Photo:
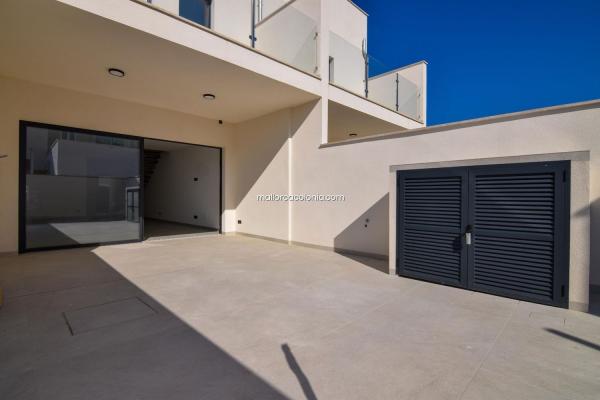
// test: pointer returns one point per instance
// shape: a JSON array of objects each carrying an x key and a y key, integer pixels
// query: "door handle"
[{"x": 469, "y": 235}]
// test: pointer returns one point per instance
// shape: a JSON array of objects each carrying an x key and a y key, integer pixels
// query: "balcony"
[
  {"x": 401, "y": 90},
  {"x": 169, "y": 62},
  {"x": 287, "y": 31},
  {"x": 256, "y": 57}
]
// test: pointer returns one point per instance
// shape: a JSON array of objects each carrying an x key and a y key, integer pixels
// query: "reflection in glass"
[{"x": 77, "y": 188}]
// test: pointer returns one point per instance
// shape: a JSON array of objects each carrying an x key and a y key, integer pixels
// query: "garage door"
[{"x": 501, "y": 229}]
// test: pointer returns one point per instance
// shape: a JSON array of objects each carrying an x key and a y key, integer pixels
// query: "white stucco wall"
[
  {"x": 347, "y": 21},
  {"x": 262, "y": 163},
  {"x": 281, "y": 153},
  {"x": 360, "y": 171}
]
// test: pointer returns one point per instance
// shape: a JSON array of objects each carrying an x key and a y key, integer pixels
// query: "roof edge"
[
  {"x": 399, "y": 69},
  {"x": 357, "y": 7},
  {"x": 536, "y": 112}
]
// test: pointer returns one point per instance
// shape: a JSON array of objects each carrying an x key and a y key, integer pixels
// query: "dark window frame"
[{"x": 24, "y": 124}]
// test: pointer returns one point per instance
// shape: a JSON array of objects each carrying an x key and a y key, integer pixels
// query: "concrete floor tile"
[
  {"x": 559, "y": 360},
  {"x": 106, "y": 314},
  {"x": 351, "y": 366},
  {"x": 18, "y": 386},
  {"x": 493, "y": 386},
  {"x": 238, "y": 317},
  {"x": 175, "y": 364}
]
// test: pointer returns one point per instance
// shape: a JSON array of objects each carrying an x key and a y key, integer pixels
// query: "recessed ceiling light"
[
  {"x": 209, "y": 96},
  {"x": 119, "y": 73}
]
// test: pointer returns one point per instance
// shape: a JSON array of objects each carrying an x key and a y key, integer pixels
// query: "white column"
[{"x": 324, "y": 70}]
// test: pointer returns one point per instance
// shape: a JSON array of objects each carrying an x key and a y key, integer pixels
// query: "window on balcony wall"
[{"x": 198, "y": 11}]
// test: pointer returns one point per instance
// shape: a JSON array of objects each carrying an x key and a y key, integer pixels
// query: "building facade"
[{"x": 282, "y": 92}]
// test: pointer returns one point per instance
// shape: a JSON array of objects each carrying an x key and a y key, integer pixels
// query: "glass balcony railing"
[
  {"x": 350, "y": 68},
  {"x": 346, "y": 64},
  {"x": 287, "y": 30},
  {"x": 397, "y": 92}
]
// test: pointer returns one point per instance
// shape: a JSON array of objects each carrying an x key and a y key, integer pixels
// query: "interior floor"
[
  {"x": 156, "y": 229},
  {"x": 181, "y": 195}
]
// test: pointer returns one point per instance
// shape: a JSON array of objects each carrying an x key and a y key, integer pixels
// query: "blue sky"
[{"x": 491, "y": 57}]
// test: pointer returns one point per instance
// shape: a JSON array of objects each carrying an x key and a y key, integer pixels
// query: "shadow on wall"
[
  {"x": 593, "y": 212},
  {"x": 258, "y": 143},
  {"x": 368, "y": 236},
  {"x": 594, "y": 239},
  {"x": 102, "y": 336}
]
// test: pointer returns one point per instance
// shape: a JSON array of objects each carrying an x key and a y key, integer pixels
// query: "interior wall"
[
  {"x": 21, "y": 100},
  {"x": 173, "y": 194}
]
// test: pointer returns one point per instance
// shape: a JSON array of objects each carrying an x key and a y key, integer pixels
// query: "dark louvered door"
[
  {"x": 520, "y": 231},
  {"x": 431, "y": 220},
  {"x": 501, "y": 229}
]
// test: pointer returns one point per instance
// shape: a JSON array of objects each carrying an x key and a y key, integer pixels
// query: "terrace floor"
[{"x": 232, "y": 317}]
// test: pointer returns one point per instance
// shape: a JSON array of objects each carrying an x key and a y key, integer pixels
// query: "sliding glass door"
[{"x": 78, "y": 187}]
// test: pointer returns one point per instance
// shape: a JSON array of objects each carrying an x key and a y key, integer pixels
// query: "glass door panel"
[{"x": 76, "y": 188}]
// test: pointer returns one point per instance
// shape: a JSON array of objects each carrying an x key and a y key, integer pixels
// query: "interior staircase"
[{"x": 151, "y": 158}]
